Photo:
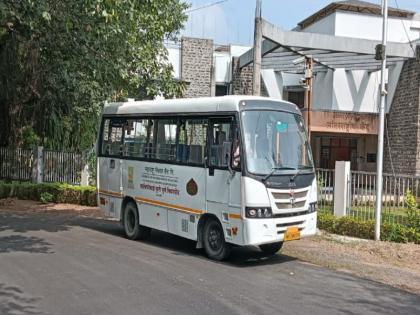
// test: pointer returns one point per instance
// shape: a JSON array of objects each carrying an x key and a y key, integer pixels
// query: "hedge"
[
  {"x": 366, "y": 229},
  {"x": 56, "y": 192}
]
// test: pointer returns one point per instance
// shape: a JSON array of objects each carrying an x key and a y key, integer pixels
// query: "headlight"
[
  {"x": 259, "y": 213},
  {"x": 312, "y": 207}
]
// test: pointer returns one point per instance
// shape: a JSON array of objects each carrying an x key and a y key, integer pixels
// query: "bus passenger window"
[
  {"x": 192, "y": 141},
  {"x": 220, "y": 136},
  {"x": 165, "y": 139},
  {"x": 112, "y": 136},
  {"x": 137, "y": 136}
]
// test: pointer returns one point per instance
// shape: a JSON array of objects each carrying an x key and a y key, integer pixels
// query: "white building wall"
[
  {"x": 370, "y": 27},
  {"x": 222, "y": 64},
  {"x": 323, "y": 26}
]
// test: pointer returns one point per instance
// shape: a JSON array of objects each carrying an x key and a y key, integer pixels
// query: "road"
[{"x": 64, "y": 263}]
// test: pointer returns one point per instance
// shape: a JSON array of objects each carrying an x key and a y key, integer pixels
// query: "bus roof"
[{"x": 229, "y": 103}]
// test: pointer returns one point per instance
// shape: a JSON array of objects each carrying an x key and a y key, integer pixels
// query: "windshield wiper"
[
  {"x": 300, "y": 170},
  {"x": 274, "y": 169}
]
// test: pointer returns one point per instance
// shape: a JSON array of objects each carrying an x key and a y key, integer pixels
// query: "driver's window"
[{"x": 221, "y": 137}]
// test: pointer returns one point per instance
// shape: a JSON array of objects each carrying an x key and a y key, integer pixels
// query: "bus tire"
[
  {"x": 271, "y": 249},
  {"x": 214, "y": 242},
  {"x": 133, "y": 229}
]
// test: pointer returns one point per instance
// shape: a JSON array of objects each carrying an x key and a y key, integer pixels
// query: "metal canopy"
[{"x": 283, "y": 51}]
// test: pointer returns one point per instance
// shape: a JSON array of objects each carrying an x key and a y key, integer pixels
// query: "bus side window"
[
  {"x": 165, "y": 139},
  {"x": 220, "y": 134},
  {"x": 112, "y": 137},
  {"x": 192, "y": 141},
  {"x": 137, "y": 134}
]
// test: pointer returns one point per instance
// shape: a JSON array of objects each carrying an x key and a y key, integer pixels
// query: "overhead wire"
[
  {"x": 405, "y": 29},
  {"x": 205, "y": 6}
]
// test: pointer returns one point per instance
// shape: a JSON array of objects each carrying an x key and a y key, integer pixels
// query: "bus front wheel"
[
  {"x": 271, "y": 249},
  {"x": 132, "y": 227},
  {"x": 214, "y": 241}
]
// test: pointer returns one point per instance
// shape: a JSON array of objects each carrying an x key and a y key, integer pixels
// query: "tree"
[{"x": 59, "y": 60}]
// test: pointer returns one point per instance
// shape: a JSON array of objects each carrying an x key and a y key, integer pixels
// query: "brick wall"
[
  {"x": 241, "y": 79},
  {"x": 403, "y": 123},
  {"x": 196, "y": 66}
]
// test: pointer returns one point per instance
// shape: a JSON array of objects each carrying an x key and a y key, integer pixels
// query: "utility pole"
[
  {"x": 307, "y": 100},
  {"x": 379, "y": 167},
  {"x": 256, "y": 77}
]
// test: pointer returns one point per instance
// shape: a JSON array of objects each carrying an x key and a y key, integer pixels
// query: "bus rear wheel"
[
  {"x": 132, "y": 227},
  {"x": 214, "y": 241},
  {"x": 271, "y": 249}
]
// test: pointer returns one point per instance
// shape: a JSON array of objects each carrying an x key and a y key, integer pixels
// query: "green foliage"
[
  {"x": 59, "y": 60},
  {"x": 413, "y": 213},
  {"x": 366, "y": 229},
  {"x": 46, "y": 197},
  {"x": 49, "y": 192}
]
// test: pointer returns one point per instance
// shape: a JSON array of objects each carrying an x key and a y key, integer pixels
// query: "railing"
[
  {"x": 394, "y": 208},
  {"x": 16, "y": 164},
  {"x": 325, "y": 179},
  {"x": 64, "y": 167},
  {"x": 41, "y": 165}
]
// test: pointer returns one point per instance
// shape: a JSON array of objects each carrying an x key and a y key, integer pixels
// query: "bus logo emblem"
[
  {"x": 292, "y": 196},
  {"x": 192, "y": 187}
]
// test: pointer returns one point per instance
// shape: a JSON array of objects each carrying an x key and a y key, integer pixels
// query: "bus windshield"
[{"x": 275, "y": 140}]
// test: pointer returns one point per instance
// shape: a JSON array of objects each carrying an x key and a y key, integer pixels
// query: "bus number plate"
[{"x": 292, "y": 233}]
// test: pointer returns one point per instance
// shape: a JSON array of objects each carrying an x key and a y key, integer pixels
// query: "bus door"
[
  {"x": 223, "y": 188},
  {"x": 110, "y": 166}
]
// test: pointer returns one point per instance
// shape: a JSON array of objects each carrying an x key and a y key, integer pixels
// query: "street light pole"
[{"x": 380, "y": 155}]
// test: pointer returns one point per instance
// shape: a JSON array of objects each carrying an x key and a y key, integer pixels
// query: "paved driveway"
[{"x": 64, "y": 263}]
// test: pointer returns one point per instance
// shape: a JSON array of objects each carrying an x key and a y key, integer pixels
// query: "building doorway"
[{"x": 338, "y": 149}]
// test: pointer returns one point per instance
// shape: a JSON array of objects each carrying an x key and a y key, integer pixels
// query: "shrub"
[
  {"x": 366, "y": 229},
  {"x": 413, "y": 213},
  {"x": 49, "y": 192},
  {"x": 46, "y": 197}
]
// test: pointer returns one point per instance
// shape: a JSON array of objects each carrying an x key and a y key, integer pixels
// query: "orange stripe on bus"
[
  {"x": 168, "y": 205},
  {"x": 234, "y": 216},
  {"x": 110, "y": 193}
]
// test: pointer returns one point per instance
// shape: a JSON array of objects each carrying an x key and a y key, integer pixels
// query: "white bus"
[{"x": 223, "y": 171}]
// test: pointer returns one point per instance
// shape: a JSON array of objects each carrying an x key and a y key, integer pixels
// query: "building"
[
  {"x": 206, "y": 68},
  {"x": 346, "y": 83}
]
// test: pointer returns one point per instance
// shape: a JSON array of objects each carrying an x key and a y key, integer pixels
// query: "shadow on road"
[
  {"x": 26, "y": 222},
  {"x": 21, "y": 243},
  {"x": 247, "y": 256}
]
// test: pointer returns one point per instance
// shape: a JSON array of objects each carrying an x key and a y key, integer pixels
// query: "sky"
[{"x": 231, "y": 22}]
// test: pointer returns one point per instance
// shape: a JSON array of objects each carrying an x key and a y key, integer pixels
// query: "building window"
[
  {"x": 371, "y": 158},
  {"x": 296, "y": 97},
  {"x": 221, "y": 90}
]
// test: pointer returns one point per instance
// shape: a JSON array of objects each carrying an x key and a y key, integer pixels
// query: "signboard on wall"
[{"x": 344, "y": 122}]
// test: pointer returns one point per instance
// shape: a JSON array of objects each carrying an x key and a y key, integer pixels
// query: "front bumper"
[{"x": 265, "y": 231}]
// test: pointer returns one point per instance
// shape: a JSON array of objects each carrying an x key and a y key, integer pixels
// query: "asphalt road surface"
[{"x": 66, "y": 264}]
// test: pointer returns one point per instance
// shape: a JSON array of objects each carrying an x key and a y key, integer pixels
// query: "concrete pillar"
[
  {"x": 342, "y": 188},
  {"x": 38, "y": 166},
  {"x": 213, "y": 81},
  {"x": 85, "y": 176}
]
